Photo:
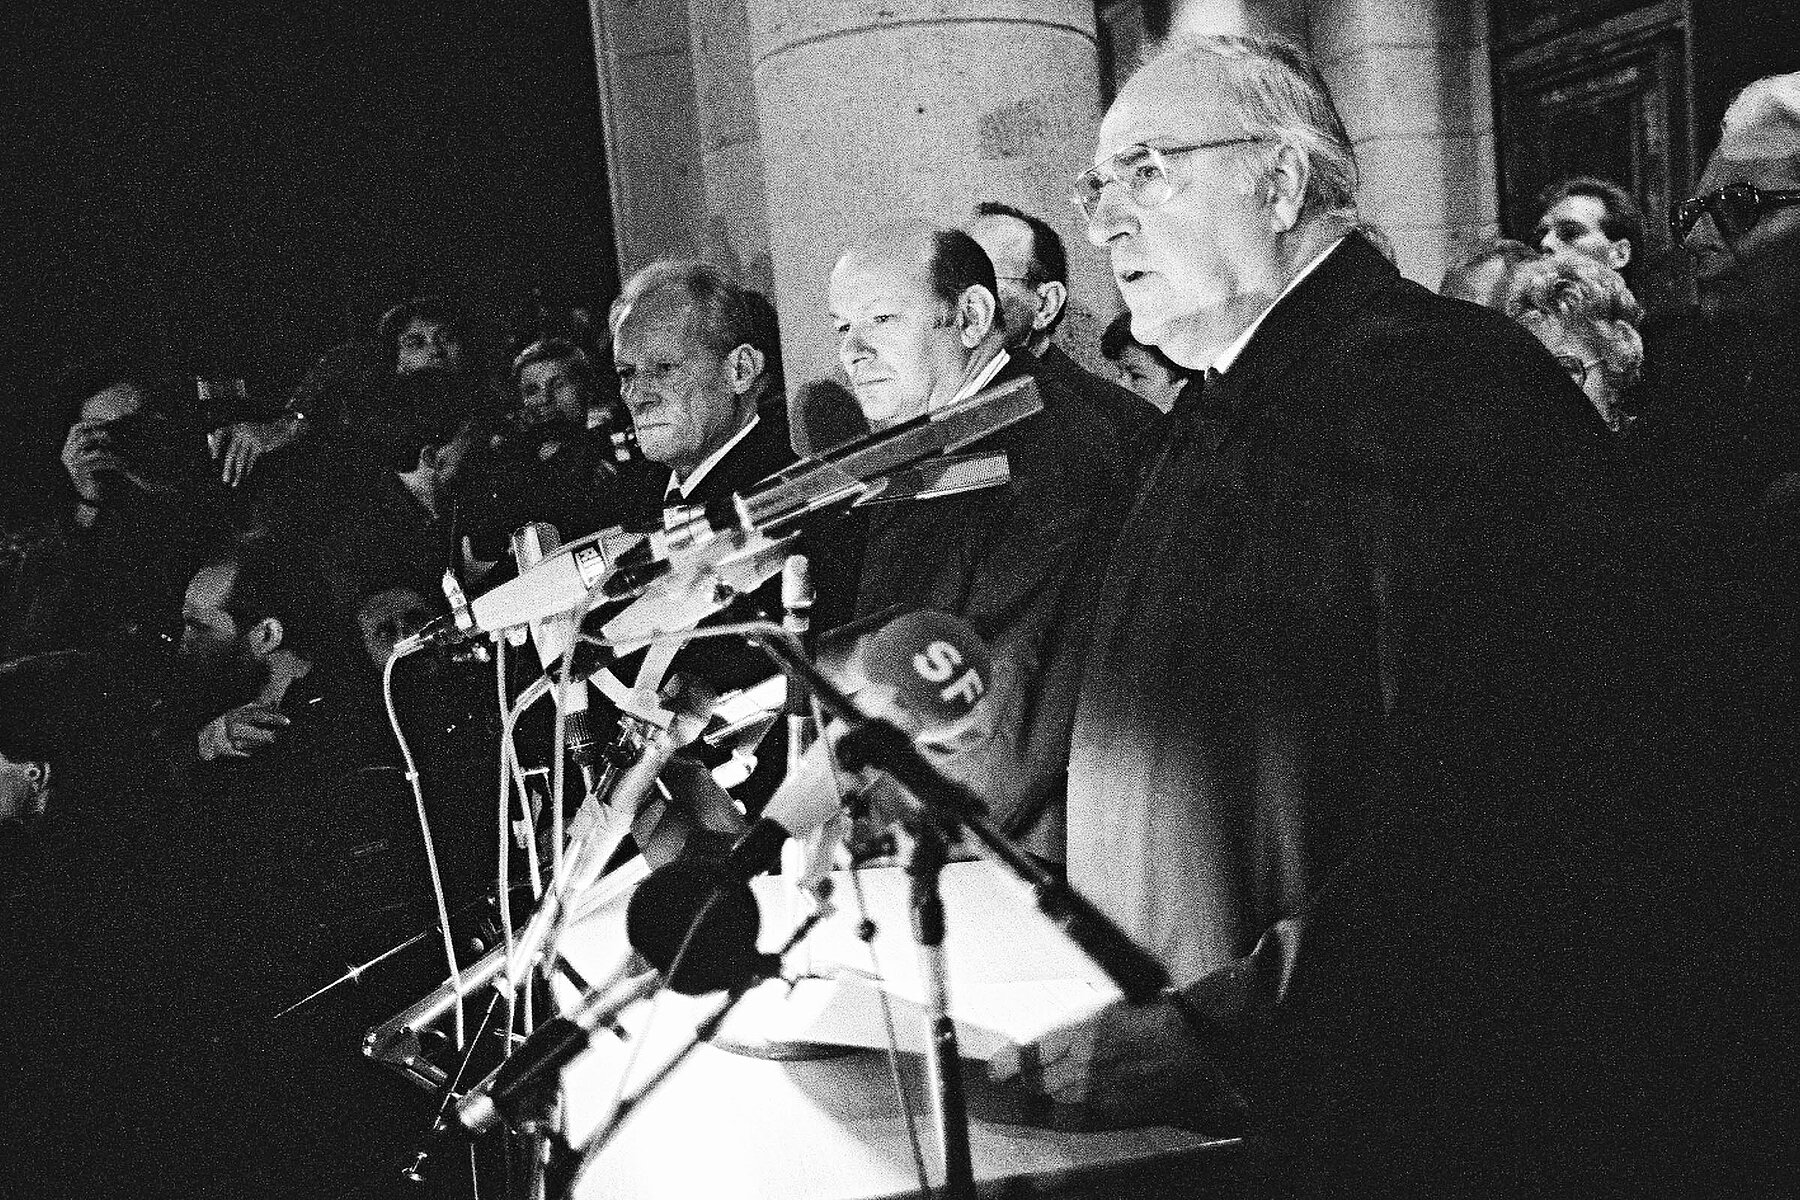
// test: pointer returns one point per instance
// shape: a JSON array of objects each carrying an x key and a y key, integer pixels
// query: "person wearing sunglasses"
[
  {"x": 1742, "y": 226},
  {"x": 1721, "y": 401}
]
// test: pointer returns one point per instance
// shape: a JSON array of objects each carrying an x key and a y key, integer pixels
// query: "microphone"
[
  {"x": 551, "y": 1046},
  {"x": 816, "y": 483},
  {"x": 796, "y": 606},
  {"x": 929, "y": 669},
  {"x": 561, "y": 581},
  {"x": 531, "y": 544},
  {"x": 629, "y": 561}
]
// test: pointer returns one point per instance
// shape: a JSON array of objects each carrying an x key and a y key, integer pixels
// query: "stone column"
[
  {"x": 879, "y": 109},
  {"x": 647, "y": 109},
  {"x": 1264, "y": 18},
  {"x": 1412, "y": 82},
  {"x": 734, "y": 230}
]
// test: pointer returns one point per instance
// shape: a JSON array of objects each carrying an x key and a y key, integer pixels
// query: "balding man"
[
  {"x": 1724, "y": 409},
  {"x": 1339, "y": 752},
  {"x": 919, "y": 329}
]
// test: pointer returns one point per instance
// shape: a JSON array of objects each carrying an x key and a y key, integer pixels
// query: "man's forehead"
[
  {"x": 546, "y": 371},
  {"x": 1756, "y": 153},
  {"x": 1007, "y": 240},
  {"x": 210, "y": 587},
  {"x": 112, "y": 403},
  {"x": 658, "y": 319},
  {"x": 1588, "y": 209},
  {"x": 867, "y": 274},
  {"x": 1168, "y": 101}
]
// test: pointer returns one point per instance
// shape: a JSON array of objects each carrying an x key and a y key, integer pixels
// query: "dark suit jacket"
[
  {"x": 1359, "y": 657},
  {"x": 1016, "y": 561},
  {"x": 726, "y": 664},
  {"x": 1130, "y": 415}
]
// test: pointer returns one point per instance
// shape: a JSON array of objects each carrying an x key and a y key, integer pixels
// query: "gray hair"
[
  {"x": 1278, "y": 96},
  {"x": 1580, "y": 294},
  {"x": 726, "y": 314}
]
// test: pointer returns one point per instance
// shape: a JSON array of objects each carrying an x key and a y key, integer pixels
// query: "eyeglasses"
[
  {"x": 1578, "y": 370},
  {"x": 1142, "y": 170},
  {"x": 1735, "y": 210}
]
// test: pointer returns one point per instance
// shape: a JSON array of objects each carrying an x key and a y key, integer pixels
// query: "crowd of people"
[{"x": 1412, "y": 673}]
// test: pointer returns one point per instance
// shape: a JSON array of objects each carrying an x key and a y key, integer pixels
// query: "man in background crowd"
[
  {"x": 107, "y": 573},
  {"x": 1595, "y": 219},
  {"x": 421, "y": 346}
]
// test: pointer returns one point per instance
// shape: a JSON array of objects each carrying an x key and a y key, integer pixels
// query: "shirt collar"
[
  {"x": 686, "y": 486},
  {"x": 982, "y": 378},
  {"x": 1230, "y": 354}
]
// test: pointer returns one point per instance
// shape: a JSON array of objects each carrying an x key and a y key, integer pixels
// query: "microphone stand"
[
  {"x": 949, "y": 808},
  {"x": 943, "y": 1060}
]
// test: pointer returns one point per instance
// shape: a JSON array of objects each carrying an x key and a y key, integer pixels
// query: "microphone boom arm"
[{"x": 876, "y": 743}]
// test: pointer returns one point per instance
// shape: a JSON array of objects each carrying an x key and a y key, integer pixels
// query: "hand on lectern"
[{"x": 1124, "y": 1066}]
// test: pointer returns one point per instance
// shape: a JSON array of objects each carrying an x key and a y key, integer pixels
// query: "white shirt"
[
  {"x": 1230, "y": 354},
  {"x": 686, "y": 486},
  {"x": 982, "y": 377}
]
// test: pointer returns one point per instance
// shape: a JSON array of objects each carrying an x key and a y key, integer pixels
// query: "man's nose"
[
  {"x": 852, "y": 348},
  {"x": 1111, "y": 216},
  {"x": 1703, "y": 237}
]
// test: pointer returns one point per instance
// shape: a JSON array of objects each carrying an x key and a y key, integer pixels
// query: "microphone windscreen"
[
  {"x": 936, "y": 665},
  {"x": 721, "y": 952},
  {"x": 823, "y": 414}
]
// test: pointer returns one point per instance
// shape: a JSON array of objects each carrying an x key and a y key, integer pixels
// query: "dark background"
[{"x": 241, "y": 184}]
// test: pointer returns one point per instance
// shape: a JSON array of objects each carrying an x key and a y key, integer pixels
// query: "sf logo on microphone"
[{"x": 942, "y": 663}]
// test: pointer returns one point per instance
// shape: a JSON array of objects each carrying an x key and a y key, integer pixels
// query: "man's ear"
[
  {"x": 743, "y": 366},
  {"x": 975, "y": 315},
  {"x": 429, "y": 457},
  {"x": 1618, "y": 254},
  {"x": 1284, "y": 190},
  {"x": 264, "y": 637},
  {"x": 1051, "y": 297}
]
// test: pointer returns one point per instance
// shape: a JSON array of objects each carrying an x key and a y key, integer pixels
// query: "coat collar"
[{"x": 1289, "y": 336}]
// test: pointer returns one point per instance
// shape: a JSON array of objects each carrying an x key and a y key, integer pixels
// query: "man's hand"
[
  {"x": 239, "y": 446},
  {"x": 85, "y": 454},
  {"x": 1126, "y": 1065},
  {"x": 243, "y": 731}
]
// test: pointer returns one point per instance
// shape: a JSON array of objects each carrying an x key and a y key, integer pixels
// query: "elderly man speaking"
[{"x": 1337, "y": 751}]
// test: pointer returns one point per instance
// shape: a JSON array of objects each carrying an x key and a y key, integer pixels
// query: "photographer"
[
  {"x": 353, "y": 382},
  {"x": 555, "y": 457},
  {"x": 107, "y": 573}
]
